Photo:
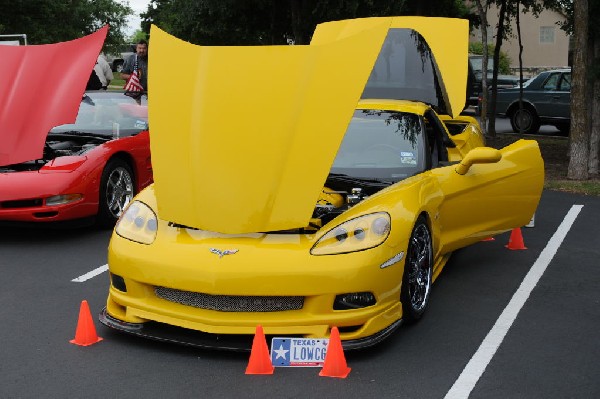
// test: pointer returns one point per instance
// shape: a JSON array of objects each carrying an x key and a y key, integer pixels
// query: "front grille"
[
  {"x": 21, "y": 203},
  {"x": 231, "y": 303}
]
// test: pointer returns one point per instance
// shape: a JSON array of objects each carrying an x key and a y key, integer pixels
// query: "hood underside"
[
  {"x": 260, "y": 126},
  {"x": 44, "y": 89}
]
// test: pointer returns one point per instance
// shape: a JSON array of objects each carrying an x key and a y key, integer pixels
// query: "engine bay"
[
  {"x": 340, "y": 194},
  {"x": 58, "y": 146}
]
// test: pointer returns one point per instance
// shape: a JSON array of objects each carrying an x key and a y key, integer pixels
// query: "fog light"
[
  {"x": 62, "y": 199},
  {"x": 355, "y": 300},
  {"x": 118, "y": 282}
]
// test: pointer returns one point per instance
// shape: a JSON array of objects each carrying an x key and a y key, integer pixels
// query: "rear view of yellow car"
[{"x": 305, "y": 187}]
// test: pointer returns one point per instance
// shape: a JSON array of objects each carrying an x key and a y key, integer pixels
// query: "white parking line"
[
  {"x": 89, "y": 275},
  {"x": 474, "y": 369}
]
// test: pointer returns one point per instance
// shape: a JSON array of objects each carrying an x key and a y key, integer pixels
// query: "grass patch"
[
  {"x": 117, "y": 83},
  {"x": 586, "y": 187}
]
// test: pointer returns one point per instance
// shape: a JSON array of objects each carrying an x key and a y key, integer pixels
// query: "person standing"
[
  {"x": 138, "y": 61},
  {"x": 103, "y": 71}
]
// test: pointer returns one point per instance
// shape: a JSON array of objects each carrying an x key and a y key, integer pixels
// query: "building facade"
[{"x": 545, "y": 44}]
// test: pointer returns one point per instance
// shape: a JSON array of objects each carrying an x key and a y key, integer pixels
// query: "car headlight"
[
  {"x": 138, "y": 223},
  {"x": 358, "y": 234}
]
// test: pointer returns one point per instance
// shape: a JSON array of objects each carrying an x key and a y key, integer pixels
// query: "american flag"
[{"x": 133, "y": 84}]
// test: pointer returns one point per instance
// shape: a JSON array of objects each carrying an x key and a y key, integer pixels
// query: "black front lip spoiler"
[{"x": 240, "y": 343}]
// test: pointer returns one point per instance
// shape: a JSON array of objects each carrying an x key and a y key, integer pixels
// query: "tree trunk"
[
  {"x": 499, "y": 35},
  {"x": 520, "y": 66},
  {"x": 579, "y": 151},
  {"x": 595, "y": 132},
  {"x": 482, "y": 11},
  {"x": 296, "y": 7}
]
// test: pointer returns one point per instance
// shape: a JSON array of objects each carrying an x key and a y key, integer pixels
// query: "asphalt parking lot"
[{"x": 501, "y": 324}]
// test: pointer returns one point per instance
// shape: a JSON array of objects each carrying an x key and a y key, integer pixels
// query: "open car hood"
[
  {"x": 42, "y": 88},
  {"x": 421, "y": 59},
  {"x": 244, "y": 137}
]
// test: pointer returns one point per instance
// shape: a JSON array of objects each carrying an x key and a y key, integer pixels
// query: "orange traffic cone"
[
  {"x": 260, "y": 361},
  {"x": 515, "y": 241},
  {"x": 488, "y": 239},
  {"x": 335, "y": 361},
  {"x": 85, "y": 335}
]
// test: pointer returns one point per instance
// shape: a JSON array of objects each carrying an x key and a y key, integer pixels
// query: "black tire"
[
  {"x": 564, "y": 128},
  {"x": 527, "y": 117},
  {"x": 418, "y": 271},
  {"x": 117, "y": 189}
]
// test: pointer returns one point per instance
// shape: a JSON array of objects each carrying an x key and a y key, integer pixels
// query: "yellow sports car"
[{"x": 305, "y": 187}]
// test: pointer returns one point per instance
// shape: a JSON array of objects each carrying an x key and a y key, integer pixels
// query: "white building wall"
[{"x": 540, "y": 50}]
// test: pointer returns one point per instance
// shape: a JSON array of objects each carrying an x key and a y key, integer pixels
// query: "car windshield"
[
  {"x": 111, "y": 114},
  {"x": 381, "y": 145}
]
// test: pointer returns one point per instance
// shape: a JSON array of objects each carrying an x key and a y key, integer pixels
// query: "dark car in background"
[
  {"x": 117, "y": 59},
  {"x": 546, "y": 101},
  {"x": 476, "y": 76}
]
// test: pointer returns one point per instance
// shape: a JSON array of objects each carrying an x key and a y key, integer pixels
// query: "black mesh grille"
[
  {"x": 21, "y": 203},
  {"x": 231, "y": 303}
]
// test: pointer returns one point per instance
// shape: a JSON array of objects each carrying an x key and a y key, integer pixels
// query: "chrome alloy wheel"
[
  {"x": 418, "y": 265},
  {"x": 119, "y": 190}
]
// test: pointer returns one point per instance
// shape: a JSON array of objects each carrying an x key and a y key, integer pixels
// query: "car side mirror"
[{"x": 478, "y": 155}]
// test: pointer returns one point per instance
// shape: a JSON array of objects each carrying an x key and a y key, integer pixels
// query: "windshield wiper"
[
  {"x": 49, "y": 152},
  {"x": 363, "y": 180}
]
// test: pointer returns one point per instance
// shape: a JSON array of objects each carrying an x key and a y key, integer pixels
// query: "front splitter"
[{"x": 231, "y": 342}]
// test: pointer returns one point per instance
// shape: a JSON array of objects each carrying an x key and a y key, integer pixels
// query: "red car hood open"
[{"x": 42, "y": 88}]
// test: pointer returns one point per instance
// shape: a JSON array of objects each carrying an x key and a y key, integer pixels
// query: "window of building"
[{"x": 546, "y": 34}]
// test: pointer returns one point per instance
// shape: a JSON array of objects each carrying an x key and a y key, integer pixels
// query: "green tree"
[
  {"x": 504, "y": 64},
  {"x": 445, "y": 8},
  {"x": 137, "y": 36},
  {"x": 52, "y": 21},
  {"x": 231, "y": 22}
]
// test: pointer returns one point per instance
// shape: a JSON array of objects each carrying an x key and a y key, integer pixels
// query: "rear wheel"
[
  {"x": 527, "y": 119},
  {"x": 418, "y": 269},
  {"x": 116, "y": 191}
]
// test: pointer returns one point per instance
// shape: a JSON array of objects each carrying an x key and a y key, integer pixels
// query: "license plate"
[{"x": 298, "y": 352}]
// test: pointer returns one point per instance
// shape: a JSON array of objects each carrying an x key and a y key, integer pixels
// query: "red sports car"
[{"x": 89, "y": 170}]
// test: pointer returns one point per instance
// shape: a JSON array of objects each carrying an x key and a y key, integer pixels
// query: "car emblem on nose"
[{"x": 223, "y": 253}]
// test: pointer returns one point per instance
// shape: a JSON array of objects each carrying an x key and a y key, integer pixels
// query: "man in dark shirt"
[{"x": 141, "y": 57}]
